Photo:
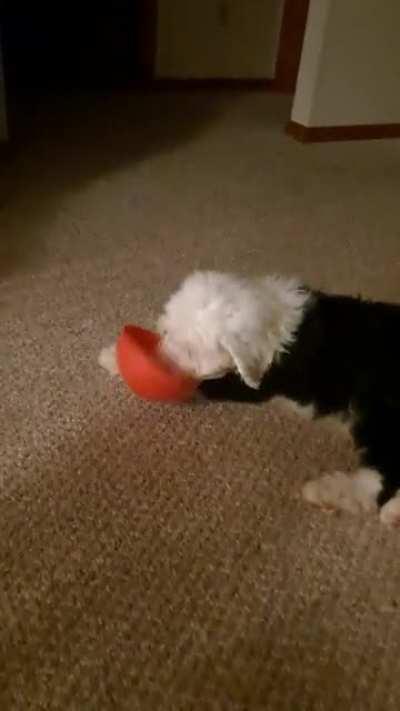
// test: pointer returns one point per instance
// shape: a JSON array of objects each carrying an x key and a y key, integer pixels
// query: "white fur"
[
  {"x": 338, "y": 491},
  {"x": 306, "y": 412},
  {"x": 336, "y": 423},
  {"x": 390, "y": 512},
  {"x": 108, "y": 359},
  {"x": 339, "y": 423},
  {"x": 219, "y": 322}
]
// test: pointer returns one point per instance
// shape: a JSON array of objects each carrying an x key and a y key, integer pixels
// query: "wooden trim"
[
  {"x": 146, "y": 20},
  {"x": 176, "y": 84},
  {"x": 297, "y": 131},
  {"x": 361, "y": 132},
  {"x": 294, "y": 21}
]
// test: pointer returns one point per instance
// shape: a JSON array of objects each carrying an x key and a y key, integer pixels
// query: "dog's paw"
[
  {"x": 354, "y": 493},
  {"x": 390, "y": 512},
  {"x": 330, "y": 492},
  {"x": 108, "y": 359}
]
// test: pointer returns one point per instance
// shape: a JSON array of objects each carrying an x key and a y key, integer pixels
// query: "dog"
[{"x": 253, "y": 339}]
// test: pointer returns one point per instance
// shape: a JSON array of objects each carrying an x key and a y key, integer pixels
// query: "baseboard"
[
  {"x": 318, "y": 134},
  {"x": 176, "y": 84}
]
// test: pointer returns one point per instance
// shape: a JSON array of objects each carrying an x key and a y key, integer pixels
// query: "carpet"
[{"x": 160, "y": 557}]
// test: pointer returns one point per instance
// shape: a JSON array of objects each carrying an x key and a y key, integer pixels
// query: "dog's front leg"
[
  {"x": 355, "y": 493},
  {"x": 376, "y": 484}
]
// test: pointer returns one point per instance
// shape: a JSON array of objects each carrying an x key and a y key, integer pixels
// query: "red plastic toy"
[{"x": 146, "y": 372}]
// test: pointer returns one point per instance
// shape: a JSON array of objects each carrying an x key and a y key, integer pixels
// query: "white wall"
[
  {"x": 3, "y": 117},
  {"x": 218, "y": 38},
  {"x": 350, "y": 67}
]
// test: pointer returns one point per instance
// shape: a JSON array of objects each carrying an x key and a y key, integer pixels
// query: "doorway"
[
  {"x": 76, "y": 45},
  {"x": 230, "y": 43}
]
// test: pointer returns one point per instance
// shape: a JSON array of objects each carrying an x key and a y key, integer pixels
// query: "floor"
[{"x": 159, "y": 557}]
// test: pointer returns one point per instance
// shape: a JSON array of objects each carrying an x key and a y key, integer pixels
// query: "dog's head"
[{"x": 216, "y": 323}]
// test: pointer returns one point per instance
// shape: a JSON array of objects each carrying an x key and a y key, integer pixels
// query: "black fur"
[{"x": 345, "y": 360}]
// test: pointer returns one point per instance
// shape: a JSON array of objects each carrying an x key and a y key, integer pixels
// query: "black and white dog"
[{"x": 250, "y": 340}]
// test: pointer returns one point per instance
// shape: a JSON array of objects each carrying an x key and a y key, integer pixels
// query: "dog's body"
[
  {"x": 345, "y": 362},
  {"x": 251, "y": 340}
]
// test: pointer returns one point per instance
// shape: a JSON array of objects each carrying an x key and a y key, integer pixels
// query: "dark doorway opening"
[{"x": 67, "y": 44}]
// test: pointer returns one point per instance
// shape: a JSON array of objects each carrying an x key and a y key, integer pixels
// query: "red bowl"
[{"x": 146, "y": 372}]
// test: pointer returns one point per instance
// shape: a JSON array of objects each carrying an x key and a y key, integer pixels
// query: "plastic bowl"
[{"x": 146, "y": 372}]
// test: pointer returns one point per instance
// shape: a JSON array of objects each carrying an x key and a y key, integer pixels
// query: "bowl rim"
[{"x": 152, "y": 355}]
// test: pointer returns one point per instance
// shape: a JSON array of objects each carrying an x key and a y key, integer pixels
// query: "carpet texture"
[{"x": 159, "y": 557}]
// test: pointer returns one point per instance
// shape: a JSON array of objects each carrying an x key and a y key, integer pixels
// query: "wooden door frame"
[
  {"x": 294, "y": 21},
  {"x": 147, "y": 17}
]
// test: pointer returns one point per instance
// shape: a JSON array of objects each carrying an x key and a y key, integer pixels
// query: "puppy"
[{"x": 249, "y": 340}]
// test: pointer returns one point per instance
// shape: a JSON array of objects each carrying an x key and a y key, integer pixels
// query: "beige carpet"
[{"x": 157, "y": 557}]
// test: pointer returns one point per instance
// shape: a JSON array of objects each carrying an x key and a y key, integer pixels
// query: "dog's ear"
[{"x": 247, "y": 361}]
